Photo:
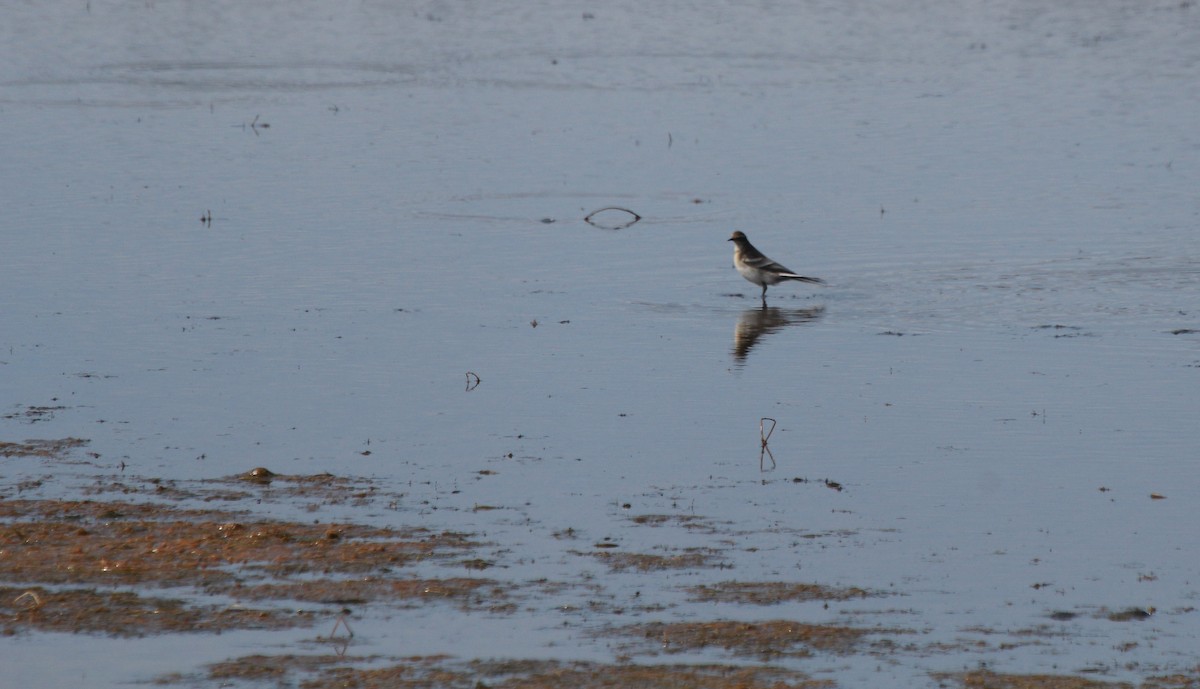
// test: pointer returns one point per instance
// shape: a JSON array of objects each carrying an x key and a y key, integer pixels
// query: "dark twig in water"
[
  {"x": 589, "y": 218},
  {"x": 473, "y": 380},
  {"x": 764, "y": 435},
  {"x": 254, "y": 125}
]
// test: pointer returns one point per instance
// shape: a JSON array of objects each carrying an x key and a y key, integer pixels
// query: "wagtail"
[{"x": 759, "y": 269}]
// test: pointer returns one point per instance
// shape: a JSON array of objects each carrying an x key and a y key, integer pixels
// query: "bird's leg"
[{"x": 764, "y": 295}]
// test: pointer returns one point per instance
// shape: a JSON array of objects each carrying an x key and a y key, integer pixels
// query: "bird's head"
[{"x": 737, "y": 236}]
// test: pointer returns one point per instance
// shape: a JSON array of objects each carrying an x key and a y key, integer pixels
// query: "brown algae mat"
[
  {"x": 771, "y": 592},
  {"x": 441, "y": 672},
  {"x": 692, "y": 558},
  {"x": 67, "y": 557},
  {"x": 123, "y": 613},
  {"x": 984, "y": 679},
  {"x": 117, "y": 543},
  {"x": 766, "y": 639},
  {"x": 54, "y": 448}
]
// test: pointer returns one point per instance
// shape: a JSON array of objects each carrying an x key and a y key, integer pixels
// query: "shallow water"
[{"x": 1001, "y": 198}]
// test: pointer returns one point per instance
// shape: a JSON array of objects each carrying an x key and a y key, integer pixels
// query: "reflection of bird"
[
  {"x": 754, "y": 323},
  {"x": 759, "y": 269}
]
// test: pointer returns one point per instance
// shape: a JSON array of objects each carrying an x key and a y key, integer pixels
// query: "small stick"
[{"x": 767, "y": 435}]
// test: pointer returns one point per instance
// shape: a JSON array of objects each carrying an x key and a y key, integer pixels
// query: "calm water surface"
[{"x": 1002, "y": 199}]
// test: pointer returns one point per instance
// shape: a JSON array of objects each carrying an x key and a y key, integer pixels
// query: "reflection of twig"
[
  {"x": 588, "y": 218},
  {"x": 765, "y": 435},
  {"x": 765, "y": 452},
  {"x": 341, "y": 622},
  {"x": 341, "y": 643},
  {"x": 472, "y": 384}
]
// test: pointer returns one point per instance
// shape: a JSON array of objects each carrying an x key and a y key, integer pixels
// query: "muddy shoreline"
[{"x": 136, "y": 557}]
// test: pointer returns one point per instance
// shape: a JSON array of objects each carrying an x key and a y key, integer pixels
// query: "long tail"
[{"x": 801, "y": 278}]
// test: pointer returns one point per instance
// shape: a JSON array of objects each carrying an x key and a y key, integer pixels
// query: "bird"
[{"x": 759, "y": 269}]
